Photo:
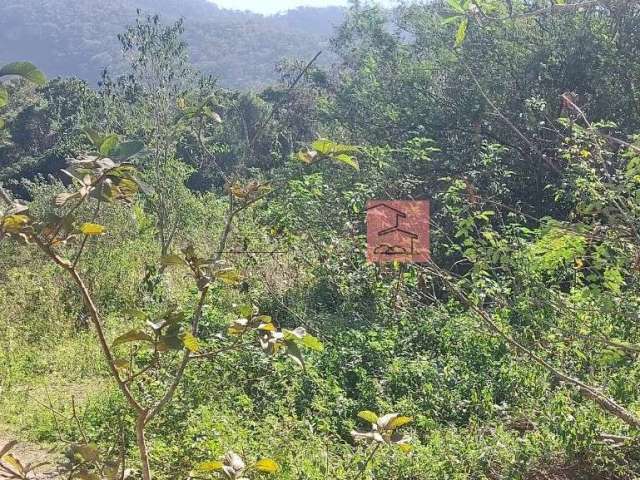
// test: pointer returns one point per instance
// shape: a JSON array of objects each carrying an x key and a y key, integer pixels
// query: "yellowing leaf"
[
  {"x": 368, "y": 416},
  {"x": 92, "y": 229},
  {"x": 267, "y": 465},
  {"x": 461, "y": 33},
  {"x": 229, "y": 276},
  {"x": 399, "y": 422},
  {"x": 190, "y": 342},
  {"x": 4, "y": 96},
  {"x": 14, "y": 223},
  {"x": 13, "y": 462},
  {"x": 405, "y": 447}
]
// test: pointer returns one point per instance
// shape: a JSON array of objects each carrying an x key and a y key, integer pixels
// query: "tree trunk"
[{"x": 142, "y": 447}]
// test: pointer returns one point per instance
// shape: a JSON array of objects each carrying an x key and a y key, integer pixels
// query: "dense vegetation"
[
  {"x": 185, "y": 275},
  {"x": 241, "y": 49}
]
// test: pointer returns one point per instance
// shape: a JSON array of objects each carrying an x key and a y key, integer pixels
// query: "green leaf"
[
  {"x": 456, "y": 5},
  {"x": 368, "y": 416},
  {"x": 452, "y": 19},
  {"x": 461, "y": 33},
  {"x": 323, "y": 146},
  {"x": 132, "y": 336},
  {"x": 190, "y": 342},
  {"x": 94, "y": 136},
  {"x": 2, "y": 124},
  {"x": 312, "y": 342},
  {"x": 108, "y": 145},
  {"x": 347, "y": 160},
  {"x": 92, "y": 229},
  {"x": 124, "y": 150},
  {"x": 26, "y": 70},
  {"x": 266, "y": 465},
  {"x": 4, "y": 96},
  {"x": 211, "y": 466},
  {"x": 246, "y": 311},
  {"x": 293, "y": 351},
  {"x": 613, "y": 279}
]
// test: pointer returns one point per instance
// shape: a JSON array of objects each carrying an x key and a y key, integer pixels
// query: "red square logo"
[{"x": 398, "y": 230}]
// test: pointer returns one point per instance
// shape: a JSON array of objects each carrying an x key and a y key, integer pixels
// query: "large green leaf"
[
  {"x": 124, "y": 150},
  {"x": 95, "y": 137},
  {"x": 456, "y": 5},
  {"x": 108, "y": 145},
  {"x": 25, "y": 70},
  {"x": 312, "y": 342},
  {"x": 368, "y": 416},
  {"x": 347, "y": 160}
]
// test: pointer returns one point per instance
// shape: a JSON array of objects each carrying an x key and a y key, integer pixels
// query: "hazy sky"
[{"x": 274, "y": 6}]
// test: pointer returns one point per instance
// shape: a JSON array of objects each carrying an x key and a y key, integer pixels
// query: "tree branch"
[{"x": 587, "y": 391}]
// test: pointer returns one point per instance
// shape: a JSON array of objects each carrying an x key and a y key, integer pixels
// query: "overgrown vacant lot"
[{"x": 184, "y": 289}]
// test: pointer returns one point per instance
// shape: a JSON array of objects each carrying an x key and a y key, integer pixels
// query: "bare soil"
[{"x": 28, "y": 453}]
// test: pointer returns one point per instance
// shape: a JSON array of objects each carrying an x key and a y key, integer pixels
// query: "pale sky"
[{"x": 275, "y": 6}]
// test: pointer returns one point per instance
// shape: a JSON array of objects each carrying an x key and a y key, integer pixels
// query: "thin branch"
[
  {"x": 4, "y": 196},
  {"x": 183, "y": 364},
  {"x": 509, "y": 123},
  {"x": 552, "y": 9},
  {"x": 95, "y": 320},
  {"x": 259, "y": 131},
  {"x": 586, "y": 390}
]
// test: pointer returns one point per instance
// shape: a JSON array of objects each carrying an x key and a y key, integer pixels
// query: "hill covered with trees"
[
  {"x": 78, "y": 38},
  {"x": 184, "y": 284}
]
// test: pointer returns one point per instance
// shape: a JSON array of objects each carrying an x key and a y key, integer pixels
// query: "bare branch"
[{"x": 587, "y": 391}]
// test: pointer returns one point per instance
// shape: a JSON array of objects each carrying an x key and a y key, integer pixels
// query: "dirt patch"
[{"x": 28, "y": 453}]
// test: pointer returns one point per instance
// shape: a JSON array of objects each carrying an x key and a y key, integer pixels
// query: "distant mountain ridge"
[{"x": 78, "y": 37}]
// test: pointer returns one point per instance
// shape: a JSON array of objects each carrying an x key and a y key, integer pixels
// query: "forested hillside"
[
  {"x": 241, "y": 49},
  {"x": 184, "y": 283}
]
